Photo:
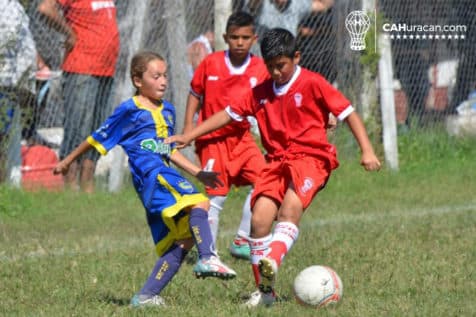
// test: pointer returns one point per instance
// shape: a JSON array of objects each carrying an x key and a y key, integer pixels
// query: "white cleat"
[{"x": 258, "y": 298}]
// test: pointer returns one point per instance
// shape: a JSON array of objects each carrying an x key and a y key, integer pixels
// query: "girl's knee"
[
  {"x": 203, "y": 205},
  {"x": 185, "y": 244}
]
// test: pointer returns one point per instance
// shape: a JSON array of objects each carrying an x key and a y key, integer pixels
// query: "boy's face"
[
  {"x": 281, "y": 68},
  {"x": 239, "y": 40}
]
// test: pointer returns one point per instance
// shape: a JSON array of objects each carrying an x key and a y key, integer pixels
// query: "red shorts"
[
  {"x": 307, "y": 174},
  {"x": 238, "y": 159}
]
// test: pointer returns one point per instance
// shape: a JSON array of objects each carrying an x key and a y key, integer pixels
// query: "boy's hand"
[
  {"x": 209, "y": 179},
  {"x": 180, "y": 141},
  {"x": 61, "y": 168},
  {"x": 370, "y": 161},
  {"x": 332, "y": 123}
]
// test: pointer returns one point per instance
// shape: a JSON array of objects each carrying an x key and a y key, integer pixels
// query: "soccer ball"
[{"x": 318, "y": 286}]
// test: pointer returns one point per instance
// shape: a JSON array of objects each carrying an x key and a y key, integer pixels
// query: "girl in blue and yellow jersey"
[{"x": 176, "y": 211}]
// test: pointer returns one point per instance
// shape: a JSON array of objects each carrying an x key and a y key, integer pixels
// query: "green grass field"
[{"x": 402, "y": 242}]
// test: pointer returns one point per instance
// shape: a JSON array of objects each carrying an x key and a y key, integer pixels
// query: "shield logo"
[{"x": 298, "y": 99}]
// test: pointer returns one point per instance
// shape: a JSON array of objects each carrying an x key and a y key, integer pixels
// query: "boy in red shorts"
[
  {"x": 231, "y": 151},
  {"x": 292, "y": 109}
]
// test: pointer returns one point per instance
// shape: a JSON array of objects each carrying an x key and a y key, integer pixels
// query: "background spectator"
[
  {"x": 198, "y": 48},
  {"x": 283, "y": 13},
  {"x": 317, "y": 36},
  {"x": 17, "y": 82},
  {"x": 92, "y": 48}
]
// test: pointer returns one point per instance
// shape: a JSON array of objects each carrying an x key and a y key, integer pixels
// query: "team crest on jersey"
[
  {"x": 307, "y": 185},
  {"x": 171, "y": 119},
  {"x": 185, "y": 185},
  {"x": 298, "y": 99},
  {"x": 253, "y": 81}
]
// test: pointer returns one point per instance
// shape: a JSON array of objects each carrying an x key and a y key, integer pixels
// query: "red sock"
[
  {"x": 284, "y": 236},
  {"x": 277, "y": 252}
]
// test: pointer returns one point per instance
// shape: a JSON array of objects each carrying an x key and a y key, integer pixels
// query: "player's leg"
[
  {"x": 171, "y": 255},
  {"x": 306, "y": 177},
  {"x": 164, "y": 270},
  {"x": 286, "y": 230},
  {"x": 264, "y": 212},
  {"x": 240, "y": 247},
  {"x": 213, "y": 157},
  {"x": 216, "y": 206},
  {"x": 244, "y": 169},
  {"x": 208, "y": 263}
]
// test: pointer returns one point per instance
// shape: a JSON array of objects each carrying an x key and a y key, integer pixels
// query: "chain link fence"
[{"x": 432, "y": 50}]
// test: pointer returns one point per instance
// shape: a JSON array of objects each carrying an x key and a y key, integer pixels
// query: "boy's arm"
[
  {"x": 63, "y": 166},
  {"x": 368, "y": 158},
  {"x": 213, "y": 123},
  {"x": 207, "y": 178},
  {"x": 193, "y": 105}
]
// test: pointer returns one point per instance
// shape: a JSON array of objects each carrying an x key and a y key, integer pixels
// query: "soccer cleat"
[
  {"x": 147, "y": 301},
  {"x": 213, "y": 267},
  {"x": 258, "y": 298},
  {"x": 268, "y": 269},
  {"x": 241, "y": 251}
]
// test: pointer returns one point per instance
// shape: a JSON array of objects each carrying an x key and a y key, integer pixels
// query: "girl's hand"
[
  {"x": 209, "y": 179},
  {"x": 61, "y": 168}
]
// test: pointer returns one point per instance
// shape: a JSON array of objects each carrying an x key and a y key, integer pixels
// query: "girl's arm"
[
  {"x": 63, "y": 166},
  {"x": 208, "y": 178}
]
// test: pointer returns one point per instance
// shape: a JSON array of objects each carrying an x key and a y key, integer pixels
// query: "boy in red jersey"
[
  {"x": 230, "y": 151},
  {"x": 292, "y": 109}
]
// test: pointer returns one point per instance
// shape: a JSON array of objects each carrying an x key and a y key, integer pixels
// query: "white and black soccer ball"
[{"x": 318, "y": 286}]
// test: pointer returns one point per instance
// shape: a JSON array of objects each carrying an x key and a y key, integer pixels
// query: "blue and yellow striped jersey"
[{"x": 140, "y": 132}]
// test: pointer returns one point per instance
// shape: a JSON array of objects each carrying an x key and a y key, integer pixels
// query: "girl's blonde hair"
[{"x": 139, "y": 64}]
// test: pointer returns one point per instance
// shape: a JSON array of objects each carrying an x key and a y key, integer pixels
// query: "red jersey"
[
  {"x": 292, "y": 119},
  {"x": 219, "y": 83},
  {"x": 97, "y": 46}
]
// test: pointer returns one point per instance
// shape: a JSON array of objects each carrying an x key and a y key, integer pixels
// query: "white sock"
[
  {"x": 245, "y": 224},
  {"x": 258, "y": 247},
  {"x": 216, "y": 205},
  {"x": 285, "y": 235}
]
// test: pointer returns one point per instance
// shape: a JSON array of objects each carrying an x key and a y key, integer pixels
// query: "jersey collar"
[
  {"x": 236, "y": 70},
  {"x": 279, "y": 91}
]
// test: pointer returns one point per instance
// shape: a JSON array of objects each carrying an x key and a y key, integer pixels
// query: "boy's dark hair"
[
  {"x": 240, "y": 19},
  {"x": 278, "y": 42}
]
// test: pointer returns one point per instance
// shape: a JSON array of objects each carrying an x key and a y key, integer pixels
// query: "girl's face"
[
  {"x": 281, "y": 68},
  {"x": 153, "y": 82}
]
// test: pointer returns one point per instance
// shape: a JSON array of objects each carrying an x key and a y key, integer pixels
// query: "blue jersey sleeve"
[{"x": 111, "y": 131}]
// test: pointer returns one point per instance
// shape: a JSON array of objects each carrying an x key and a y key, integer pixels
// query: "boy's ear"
[
  {"x": 225, "y": 38},
  {"x": 297, "y": 57}
]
